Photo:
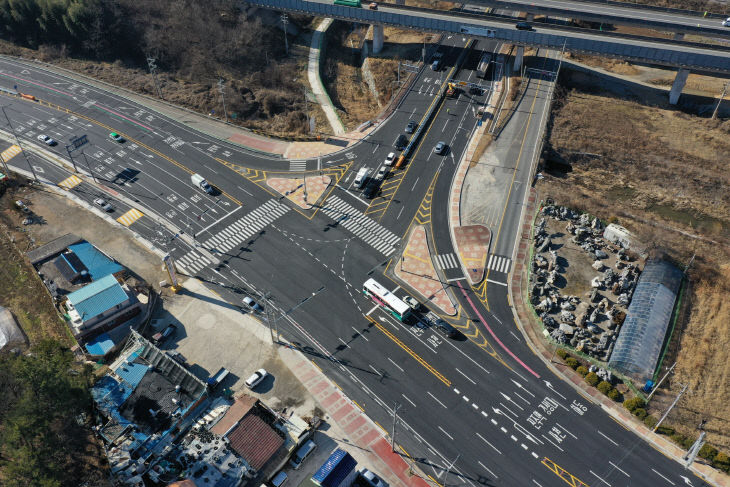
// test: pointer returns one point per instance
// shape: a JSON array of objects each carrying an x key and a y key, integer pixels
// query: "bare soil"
[{"x": 660, "y": 173}]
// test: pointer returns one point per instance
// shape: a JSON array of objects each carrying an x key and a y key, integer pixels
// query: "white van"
[
  {"x": 200, "y": 182},
  {"x": 302, "y": 453},
  {"x": 361, "y": 177}
]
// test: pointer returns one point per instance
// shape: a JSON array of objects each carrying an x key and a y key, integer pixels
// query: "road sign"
[
  {"x": 77, "y": 142},
  {"x": 170, "y": 265}
]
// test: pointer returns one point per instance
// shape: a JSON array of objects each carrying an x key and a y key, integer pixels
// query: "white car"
[
  {"x": 256, "y": 378},
  {"x": 371, "y": 479},
  {"x": 252, "y": 304},
  {"x": 382, "y": 173},
  {"x": 389, "y": 160},
  {"x": 726, "y": 22},
  {"x": 411, "y": 302},
  {"x": 46, "y": 140},
  {"x": 104, "y": 204}
]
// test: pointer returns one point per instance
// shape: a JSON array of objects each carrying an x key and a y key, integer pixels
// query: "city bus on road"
[{"x": 386, "y": 299}]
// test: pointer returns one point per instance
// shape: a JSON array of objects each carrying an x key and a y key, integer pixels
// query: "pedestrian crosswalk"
[
  {"x": 70, "y": 182},
  {"x": 246, "y": 226},
  {"x": 297, "y": 165},
  {"x": 192, "y": 262},
  {"x": 499, "y": 264},
  {"x": 10, "y": 152},
  {"x": 447, "y": 261},
  {"x": 130, "y": 217},
  {"x": 374, "y": 234}
]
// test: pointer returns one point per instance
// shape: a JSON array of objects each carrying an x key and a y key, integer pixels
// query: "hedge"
[
  {"x": 640, "y": 413},
  {"x": 650, "y": 421},
  {"x": 665, "y": 430},
  {"x": 604, "y": 387},
  {"x": 592, "y": 379},
  {"x": 562, "y": 353},
  {"x": 582, "y": 370},
  {"x": 633, "y": 403},
  {"x": 722, "y": 462},
  {"x": 708, "y": 452},
  {"x": 572, "y": 363},
  {"x": 614, "y": 394}
]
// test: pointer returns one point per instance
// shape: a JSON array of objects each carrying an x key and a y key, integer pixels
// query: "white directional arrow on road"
[
  {"x": 550, "y": 386},
  {"x": 522, "y": 387},
  {"x": 686, "y": 480},
  {"x": 510, "y": 400}
]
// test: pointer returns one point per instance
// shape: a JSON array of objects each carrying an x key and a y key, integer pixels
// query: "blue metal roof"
[
  {"x": 640, "y": 340},
  {"x": 335, "y": 469},
  {"x": 100, "y": 345},
  {"x": 97, "y": 297},
  {"x": 98, "y": 264},
  {"x": 131, "y": 373}
]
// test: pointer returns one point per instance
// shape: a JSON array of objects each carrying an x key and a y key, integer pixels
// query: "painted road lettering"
[
  {"x": 578, "y": 408},
  {"x": 548, "y": 405},
  {"x": 536, "y": 419}
]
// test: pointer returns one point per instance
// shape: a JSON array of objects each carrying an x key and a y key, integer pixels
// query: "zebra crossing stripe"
[
  {"x": 371, "y": 232},
  {"x": 447, "y": 261},
  {"x": 70, "y": 182},
  {"x": 297, "y": 165},
  {"x": 247, "y": 225},
  {"x": 130, "y": 217},
  {"x": 499, "y": 264},
  {"x": 10, "y": 152}
]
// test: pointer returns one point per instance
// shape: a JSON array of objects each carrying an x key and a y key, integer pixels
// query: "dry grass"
[
  {"x": 662, "y": 174},
  {"x": 611, "y": 65}
]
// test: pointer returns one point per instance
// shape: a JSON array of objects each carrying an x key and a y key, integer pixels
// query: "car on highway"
[
  {"x": 411, "y": 302},
  {"x": 726, "y": 22},
  {"x": 436, "y": 64},
  {"x": 389, "y": 159},
  {"x": 248, "y": 301},
  {"x": 412, "y": 124},
  {"x": 47, "y": 140},
  {"x": 103, "y": 204},
  {"x": 116, "y": 137},
  {"x": 401, "y": 142},
  {"x": 523, "y": 26},
  {"x": 371, "y": 479},
  {"x": 440, "y": 148},
  {"x": 440, "y": 325},
  {"x": 373, "y": 6},
  {"x": 256, "y": 378}
]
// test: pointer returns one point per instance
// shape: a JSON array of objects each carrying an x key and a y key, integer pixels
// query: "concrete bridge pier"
[
  {"x": 678, "y": 85},
  {"x": 377, "y": 38},
  {"x": 518, "y": 58}
]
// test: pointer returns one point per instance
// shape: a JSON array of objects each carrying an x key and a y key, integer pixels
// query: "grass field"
[{"x": 662, "y": 174}]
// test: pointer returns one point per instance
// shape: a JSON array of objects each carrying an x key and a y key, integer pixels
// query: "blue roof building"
[
  {"x": 102, "y": 302},
  {"x": 337, "y": 471},
  {"x": 97, "y": 263}
]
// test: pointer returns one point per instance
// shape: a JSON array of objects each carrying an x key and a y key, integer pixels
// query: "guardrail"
[
  {"x": 641, "y": 6},
  {"x": 449, "y": 22}
]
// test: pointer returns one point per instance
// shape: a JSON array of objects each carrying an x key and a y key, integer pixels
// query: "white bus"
[{"x": 386, "y": 299}]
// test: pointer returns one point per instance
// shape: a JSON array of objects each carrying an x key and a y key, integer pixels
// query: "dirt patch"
[
  {"x": 342, "y": 71},
  {"x": 660, "y": 173},
  {"x": 611, "y": 65}
]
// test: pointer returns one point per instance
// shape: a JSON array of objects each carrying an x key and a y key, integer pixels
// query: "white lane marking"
[
  {"x": 343, "y": 342},
  {"x": 247, "y": 192},
  {"x": 617, "y": 468},
  {"x": 563, "y": 428},
  {"x": 363, "y": 337},
  {"x": 434, "y": 398},
  {"x": 487, "y": 442},
  {"x": 456, "y": 390},
  {"x": 458, "y": 279},
  {"x": 549, "y": 441},
  {"x": 485, "y": 468},
  {"x": 374, "y": 369},
  {"x": 401, "y": 211},
  {"x": 412, "y": 403},
  {"x": 609, "y": 439},
  {"x": 662, "y": 476},
  {"x": 371, "y": 310},
  {"x": 444, "y": 432},
  {"x": 497, "y": 282},
  {"x": 599, "y": 478},
  {"x": 414, "y": 184},
  {"x": 398, "y": 366}
]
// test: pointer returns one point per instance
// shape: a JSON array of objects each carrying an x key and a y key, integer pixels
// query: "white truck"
[{"x": 200, "y": 182}]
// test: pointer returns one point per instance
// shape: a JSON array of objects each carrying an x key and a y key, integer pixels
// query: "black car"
[
  {"x": 411, "y": 126},
  {"x": 441, "y": 326},
  {"x": 371, "y": 189},
  {"x": 523, "y": 26},
  {"x": 401, "y": 142}
]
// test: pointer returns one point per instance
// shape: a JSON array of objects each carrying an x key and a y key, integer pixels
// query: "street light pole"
[
  {"x": 17, "y": 141},
  {"x": 396, "y": 407},
  {"x": 89, "y": 166}
]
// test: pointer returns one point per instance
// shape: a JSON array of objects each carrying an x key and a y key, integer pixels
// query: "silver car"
[{"x": 104, "y": 204}]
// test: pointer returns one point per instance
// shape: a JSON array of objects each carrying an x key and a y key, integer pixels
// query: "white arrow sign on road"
[
  {"x": 686, "y": 480},
  {"x": 520, "y": 386},
  {"x": 550, "y": 386}
]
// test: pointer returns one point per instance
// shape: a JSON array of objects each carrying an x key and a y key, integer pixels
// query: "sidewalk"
[{"x": 315, "y": 81}]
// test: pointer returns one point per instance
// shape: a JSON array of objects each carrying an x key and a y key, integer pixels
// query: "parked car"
[
  {"x": 116, "y": 137},
  {"x": 371, "y": 189},
  {"x": 163, "y": 335},
  {"x": 411, "y": 126},
  {"x": 248, "y": 301},
  {"x": 382, "y": 173},
  {"x": 411, "y": 302},
  {"x": 47, "y": 140},
  {"x": 256, "y": 378},
  {"x": 104, "y": 204},
  {"x": 523, "y": 26},
  {"x": 389, "y": 159},
  {"x": 440, "y": 148},
  {"x": 279, "y": 479},
  {"x": 371, "y": 479},
  {"x": 302, "y": 453}
]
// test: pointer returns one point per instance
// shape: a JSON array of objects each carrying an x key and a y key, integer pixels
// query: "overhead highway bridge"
[{"x": 684, "y": 55}]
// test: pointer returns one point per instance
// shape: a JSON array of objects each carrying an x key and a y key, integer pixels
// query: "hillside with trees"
[{"x": 193, "y": 42}]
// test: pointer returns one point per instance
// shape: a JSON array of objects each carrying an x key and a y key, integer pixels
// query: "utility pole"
[
  {"x": 153, "y": 69},
  {"x": 89, "y": 166},
  {"x": 691, "y": 454},
  {"x": 5, "y": 166},
  {"x": 285, "y": 20},
  {"x": 221, "y": 88},
  {"x": 648, "y": 398},
  {"x": 676, "y": 400},
  {"x": 396, "y": 407},
  {"x": 448, "y": 470},
  {"x": 17, "y": 141},
  {"x": 717, "y": 107}
]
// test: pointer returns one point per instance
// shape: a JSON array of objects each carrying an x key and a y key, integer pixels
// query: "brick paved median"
[
  {"x": 293, "y": 189},
  {"x": 472, "y": 245}
]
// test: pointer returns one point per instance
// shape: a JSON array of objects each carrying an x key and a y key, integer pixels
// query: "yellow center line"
[{"x": 410, "y": 352}]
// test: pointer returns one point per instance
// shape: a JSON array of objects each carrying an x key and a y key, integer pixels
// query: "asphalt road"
[{"x": 492, "y": 406}]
